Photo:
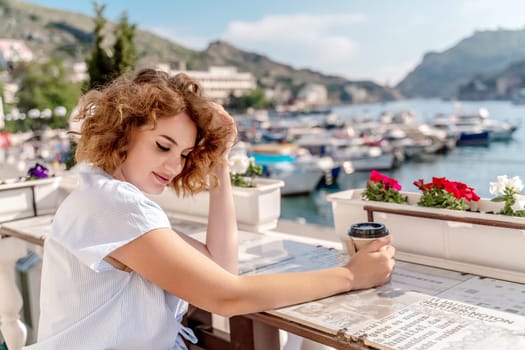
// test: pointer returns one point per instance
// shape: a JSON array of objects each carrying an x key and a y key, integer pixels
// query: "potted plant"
[
  {"x": 446, "y": 225},
  {"x": 506, "y": 190},
  {"x": 35, "y": 194},
  {"x": 257, "y": 201},
  {"x": 382, "y": 188}
]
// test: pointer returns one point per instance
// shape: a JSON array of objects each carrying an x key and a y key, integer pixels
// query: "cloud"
[
  {"x": 489, "y": 13},
  {"x": 319, "y": 42},
  {"x": 295, "y": 26},
  {"x": 192, "y": 42}
]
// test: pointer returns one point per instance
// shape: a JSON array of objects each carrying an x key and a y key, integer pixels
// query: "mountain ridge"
[
  {"x": 485, "y": 52},
  {"x": 54, "y": 32}
]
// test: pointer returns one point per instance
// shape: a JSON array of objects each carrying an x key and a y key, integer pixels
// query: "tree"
[
  {"x": 100, "y": 64},
  {"x": 124, "y": 51},
  {"x": 104, "y": 65},
  {"x": 254, "y": 99},
  {"x": 46, "y": 86},
  {"x": 6, "y": 7}
]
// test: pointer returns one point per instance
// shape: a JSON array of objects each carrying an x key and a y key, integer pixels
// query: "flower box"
[
  {"x": 257, "y": 208},
  {"x": 30, "y": 198},
  {"x": 476, "y": 241}
]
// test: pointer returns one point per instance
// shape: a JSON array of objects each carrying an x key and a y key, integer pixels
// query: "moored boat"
[
  {"x": 476, "y": 128},
  {"x": 352, "y": 154},
  {"x": 300, "y": 170}
]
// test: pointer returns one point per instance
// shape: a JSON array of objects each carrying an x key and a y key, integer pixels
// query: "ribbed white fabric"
[{"x": 85, "y": 302}]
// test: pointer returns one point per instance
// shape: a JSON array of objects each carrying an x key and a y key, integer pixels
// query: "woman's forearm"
[
  {"x": 222, "y": 236},
  {"x": 270, "y": 291},
  {"x": 162, "y": 257}
]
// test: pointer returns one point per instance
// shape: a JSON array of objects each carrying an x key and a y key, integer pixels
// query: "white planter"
[
  {"x": 474, "y": 242},
  {"x": 257, "y": 208},
  {"x": 29, "y": 198}
]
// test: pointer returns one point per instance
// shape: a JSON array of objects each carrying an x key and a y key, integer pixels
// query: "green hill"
[
  {"x": 52, "y": 32},
  {"x": 69, "y": 35}
]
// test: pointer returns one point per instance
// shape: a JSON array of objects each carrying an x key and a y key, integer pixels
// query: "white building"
[
  {"x": 219, "y": 82},
  {"x": 14, "y": 51},
  {"x": 313, "y": 94},
  {"x": 10, "y": 90},
  {"x": 79, "y": 72},
  {"x": 359, "y": 95}
]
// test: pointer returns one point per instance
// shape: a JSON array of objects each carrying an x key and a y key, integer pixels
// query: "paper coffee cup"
[{"x": 363, "y": 233}]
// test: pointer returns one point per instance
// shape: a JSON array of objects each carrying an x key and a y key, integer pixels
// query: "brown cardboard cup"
[{"x": 363, "y": 233}]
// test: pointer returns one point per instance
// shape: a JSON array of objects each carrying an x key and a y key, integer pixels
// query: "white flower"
[
  {"x": 239, "y": 163},
  {"x": 516, "y": 184},
  {"x": 496, "y": 188}
]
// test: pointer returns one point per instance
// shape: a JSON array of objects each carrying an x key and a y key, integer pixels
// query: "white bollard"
[{"x": 13, "y": 330}]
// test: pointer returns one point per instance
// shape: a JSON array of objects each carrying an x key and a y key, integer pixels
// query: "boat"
[
  {"x": 301, "y": 171},
  {"x": 499, "y": 131},
  {"x": 366, "y": 158},
  {"x": 420, "y": 142},
  {"x": 353, "y": 154},
  {"x": 467, "y": 138},
  {"x": 415, "y": 139},
  {"x": 469, "y": 131},
  {"x": 476, "y": 128}
]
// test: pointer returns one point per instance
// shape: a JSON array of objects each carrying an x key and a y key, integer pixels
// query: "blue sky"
[{"x": 357, "y": 39}]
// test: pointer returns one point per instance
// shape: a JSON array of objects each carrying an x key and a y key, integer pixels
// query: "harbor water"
[{"x": 476, "y": 166}]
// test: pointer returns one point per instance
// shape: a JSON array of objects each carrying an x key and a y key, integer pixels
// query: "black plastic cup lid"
[{"x": 368, "y": 230}]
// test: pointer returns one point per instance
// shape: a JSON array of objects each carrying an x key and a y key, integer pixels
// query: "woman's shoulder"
[
  {"x": 102, "y": 207},
  {"x": 99, "y": 191}
]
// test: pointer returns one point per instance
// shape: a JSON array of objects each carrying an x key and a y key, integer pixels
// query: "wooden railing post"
[
  {"x": 496, "y": 222},
  {"x": 246, "y": 333}
]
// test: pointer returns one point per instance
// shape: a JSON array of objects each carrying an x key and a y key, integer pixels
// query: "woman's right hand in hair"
[
  {"x": 372, "y": 265},
  {"x": 224, "y": 120}
]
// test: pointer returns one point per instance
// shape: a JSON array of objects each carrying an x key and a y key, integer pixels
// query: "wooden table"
[
  {"x": 422, "y": 307},
  {"x": 459, "y": 304}
]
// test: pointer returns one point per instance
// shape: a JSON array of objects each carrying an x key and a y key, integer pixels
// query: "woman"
[{"x": 115, "y": 275}]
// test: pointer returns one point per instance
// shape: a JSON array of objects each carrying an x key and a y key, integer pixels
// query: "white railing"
[{"x": 20, "y": 201}]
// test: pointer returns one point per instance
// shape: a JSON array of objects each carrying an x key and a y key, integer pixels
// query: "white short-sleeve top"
[{"x": 86, "y": 303}]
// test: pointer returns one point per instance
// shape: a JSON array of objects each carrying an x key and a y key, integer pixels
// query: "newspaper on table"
[
  {"x": 350, "y": 312},
  {"x": 260, "y": 253},
  {"x": 437, "y": 323},
  {"x": 420, "y": 308}
]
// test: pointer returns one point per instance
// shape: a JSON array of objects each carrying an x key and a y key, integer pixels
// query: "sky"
[{"x": 379, "y": 40}]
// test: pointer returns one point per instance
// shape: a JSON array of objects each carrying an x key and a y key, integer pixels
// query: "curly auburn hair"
[{"x": 111, "y": 115}]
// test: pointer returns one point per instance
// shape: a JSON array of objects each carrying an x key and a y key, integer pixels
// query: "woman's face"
[{"x": 156, "y": 156}]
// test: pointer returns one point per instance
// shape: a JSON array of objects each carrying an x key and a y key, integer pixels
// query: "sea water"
[{"x": 476, "y": 166}]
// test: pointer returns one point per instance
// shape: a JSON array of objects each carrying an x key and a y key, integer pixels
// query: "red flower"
[
  {"x": 420, "y": 184},
  {"x": 382, "y": 188},
  {"x": 388, "y": 182},
  {"x": 444, "y": 193}
]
